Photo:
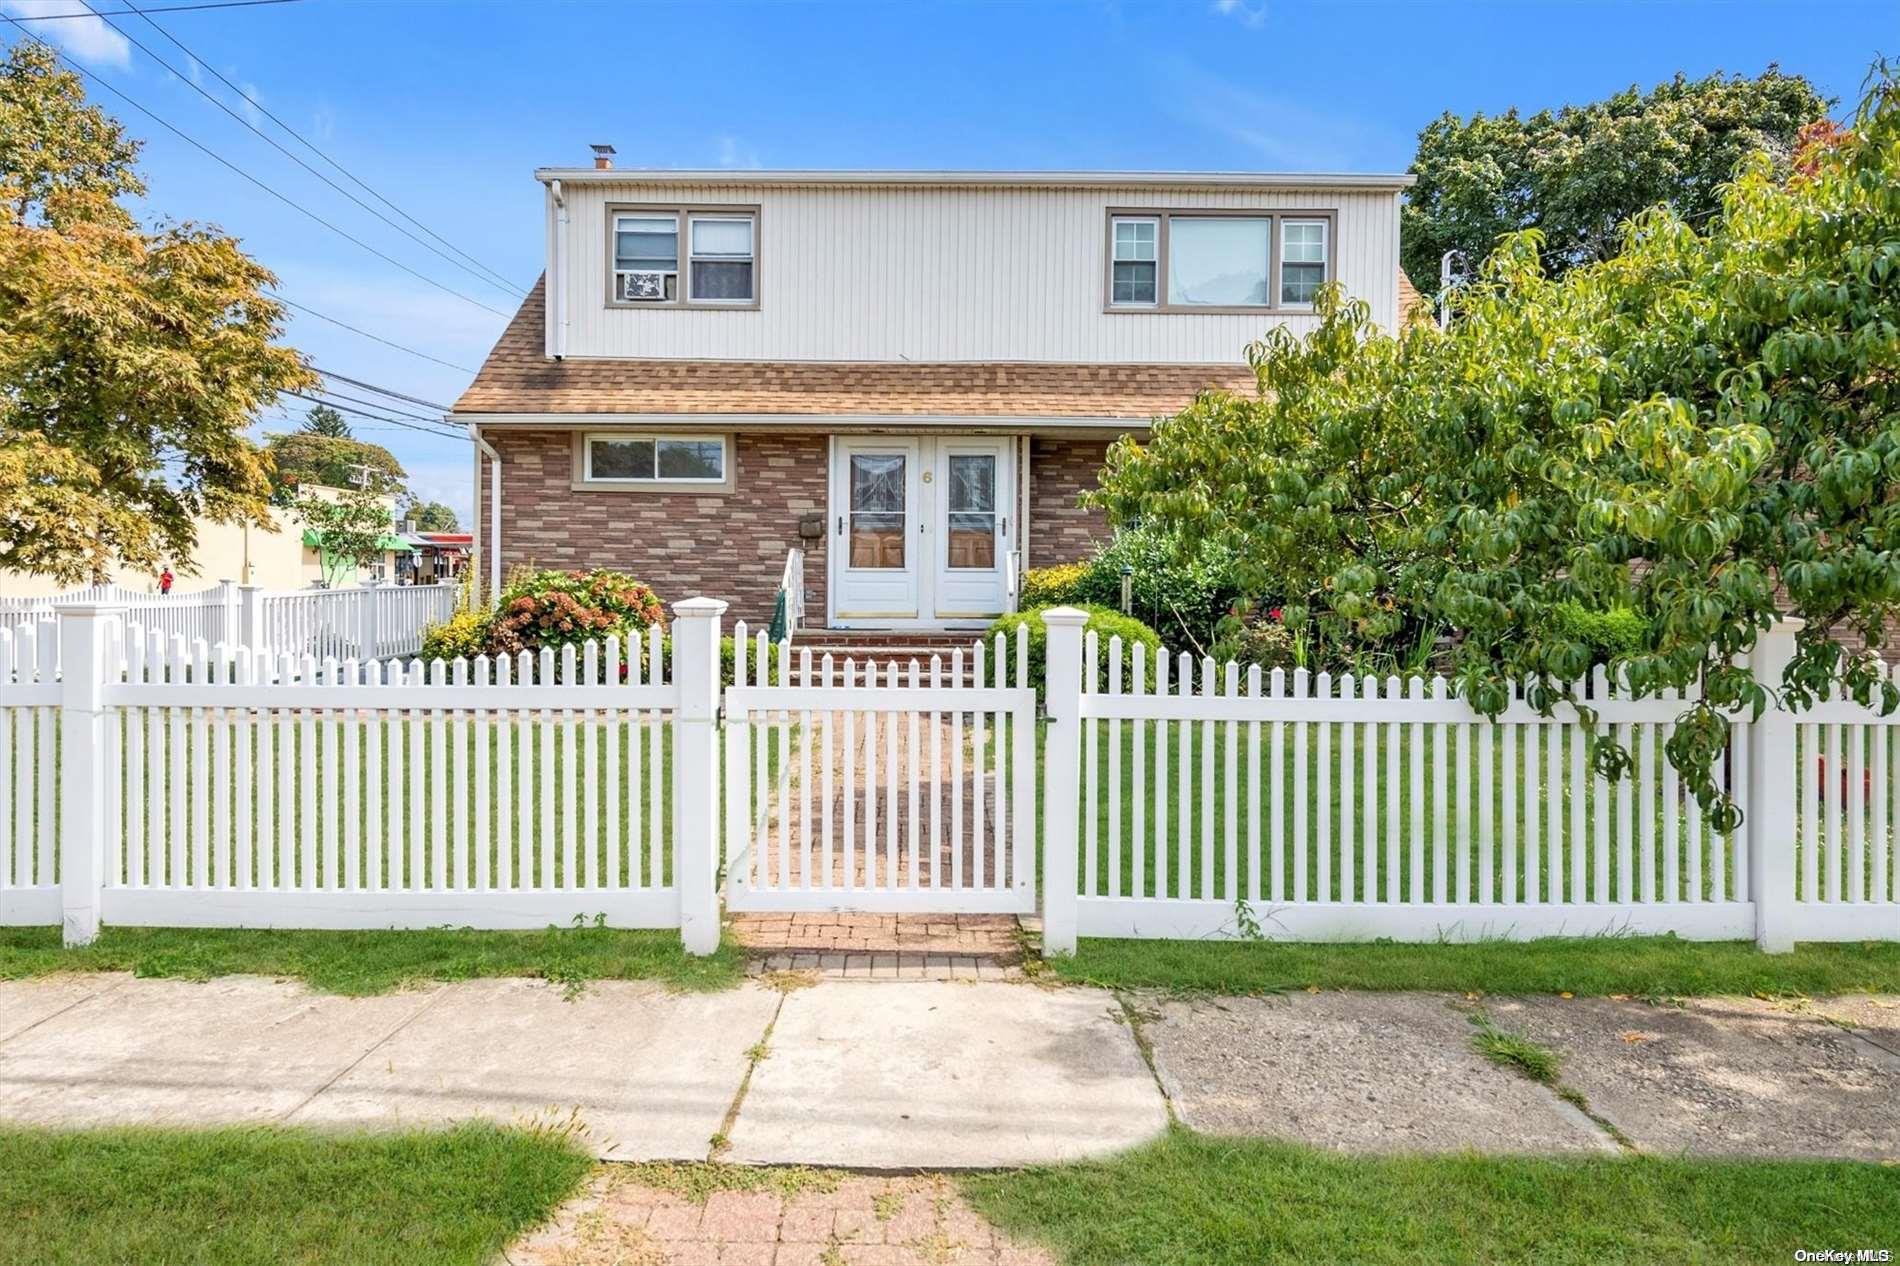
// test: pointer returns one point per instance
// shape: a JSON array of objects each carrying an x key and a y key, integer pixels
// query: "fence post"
[
  {"x": 1062, "y": 772},
  {"x": 368, "y": 626},
  {"x": 1770, "y": 804},
  {"x": 251, "y": 617},
  {"x": 227, "y": 599},
  {"x": 84, "y": 639},
  {"x": 696, "y": 770}
]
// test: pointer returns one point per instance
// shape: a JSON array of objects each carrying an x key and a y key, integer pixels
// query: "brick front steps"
[{"x": 886, "y": 946}]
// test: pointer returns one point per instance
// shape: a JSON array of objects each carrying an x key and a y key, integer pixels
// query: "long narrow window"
[
  {"x": 617, "y": 458},
  {"x": 1209, "y": 260}
]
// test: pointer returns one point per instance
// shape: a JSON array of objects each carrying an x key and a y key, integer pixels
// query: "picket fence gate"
[{"x": 148, "y": 778}]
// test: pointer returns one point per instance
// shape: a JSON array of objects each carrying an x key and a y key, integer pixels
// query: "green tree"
[
  {"x": 347, "y": 530},
  {"x": 1690, "y": 430},
  {"x": 323, "y": 420},
  {"x": 131, "y": 362},
  {"x": 302, "y": 458},
  {"x": 433, "y": 516},
  {"x": 1577, "y": 174}
]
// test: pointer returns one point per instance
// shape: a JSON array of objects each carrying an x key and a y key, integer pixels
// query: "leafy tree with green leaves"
[
  {"x": 1579, "y": 173},
  {"x": 131, "y": 362},
  {"x": 303, "y": 458},
  {"x": 323, "y": 420},
  {"x": 433, "y": 516},
  {"x": 1703, "y": 429},
  {"x": 348, "y": 530}
]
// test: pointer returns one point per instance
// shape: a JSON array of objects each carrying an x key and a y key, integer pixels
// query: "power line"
[
  {"x": 377, "y": 404},
  {"x": 512, "y": 290},
  {"x": 383, "y": 391},
  {"x": 171, "y": 8},
  {"x": 499, "y": 277},
  {"x": 344, "y": 325},
  {"x": 234, "y": 168},
  {"x": 378, "y": 417}
]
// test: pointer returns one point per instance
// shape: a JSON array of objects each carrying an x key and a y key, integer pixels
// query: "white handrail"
[
  {"x": 1013, "y": 580},
  {"x": 791, "y": 583}
]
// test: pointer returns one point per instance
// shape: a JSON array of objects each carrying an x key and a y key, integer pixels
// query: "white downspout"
[
  {"x": 492, "y": 542},
  {"x": 557, "y": 281}
]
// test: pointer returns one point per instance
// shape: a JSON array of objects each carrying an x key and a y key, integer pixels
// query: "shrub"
[
  {"x": 1102, "y": 621},
  {"x": 463, "y": 635},
  {"x": 1264, "y": 640},
  {"x": 1608, "y": 633},
  {"x": 567, "y": 608},
  {"x": 1053, "y": 586},
  {"x": 1186, "y": 597}
]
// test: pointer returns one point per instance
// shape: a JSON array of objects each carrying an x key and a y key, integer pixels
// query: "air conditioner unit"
[{"x": 643, "y": 287}]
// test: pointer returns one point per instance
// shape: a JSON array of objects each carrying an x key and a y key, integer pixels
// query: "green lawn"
[
  {"x": 1644, "y": 967},
  {"x": 1189, "y": 1199},
  {"x": 226, "y": 1197},
  {"x": 376, "y": 962}
]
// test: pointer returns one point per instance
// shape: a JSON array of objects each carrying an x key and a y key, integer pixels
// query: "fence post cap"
[
  {"x": 1065, "y": 618},
  {"x": 1787, "y": 624},
  {"x": 90, "y": 610},
  {"x": 699, "y": 608}
]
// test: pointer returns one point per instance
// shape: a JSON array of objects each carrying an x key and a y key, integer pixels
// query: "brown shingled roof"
[
  {"x": 1412, "y": 304},
  {"x": 518, "y": 377}
]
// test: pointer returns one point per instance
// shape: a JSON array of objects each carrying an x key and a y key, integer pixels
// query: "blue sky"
[{"x": 446, "y": 108}]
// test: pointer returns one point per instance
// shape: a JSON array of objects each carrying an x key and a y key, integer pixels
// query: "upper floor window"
[
  {"x": 1302, "y": 260},
  {"x": 719, "y": 248},
  {"x": 1187, "y": 261},
  {"x": 1135, "y": 262}
]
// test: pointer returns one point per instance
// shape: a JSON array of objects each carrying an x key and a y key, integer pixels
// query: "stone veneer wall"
[
  {"x": 684, "y": 544},
  {"x": 1060, "y": 469}
]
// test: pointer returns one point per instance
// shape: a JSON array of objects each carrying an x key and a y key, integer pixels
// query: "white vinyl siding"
[{"x": 949, "y": 274}]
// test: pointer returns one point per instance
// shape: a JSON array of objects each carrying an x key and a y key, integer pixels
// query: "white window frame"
[
  {"x": 750, "y": 258},
  {"x": 589, "y": 439},
  {"x": 1114, "y": 257},
  {"x": 1325, "y": 257}
]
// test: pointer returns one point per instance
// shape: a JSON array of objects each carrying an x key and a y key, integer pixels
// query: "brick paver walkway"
[{"x": 813, "y": 1219}]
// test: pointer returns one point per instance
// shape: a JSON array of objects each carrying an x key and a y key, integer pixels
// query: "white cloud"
[
  {"x": 1247, "y": 14},
  {"x": 1285, "y": 133},
  {"x": 735, "y": 153},
  {"x": 247, "y": 102},
  {"x": 86, "y": 38}
]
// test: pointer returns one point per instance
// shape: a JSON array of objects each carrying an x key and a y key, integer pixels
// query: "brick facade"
[
  {"x": 1060, "y": 470},
  {"x": 733, "y": 545},
  {"x": 685, "y": 545}
]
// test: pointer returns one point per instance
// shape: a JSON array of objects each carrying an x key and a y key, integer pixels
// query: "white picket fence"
[
  {"x": 866, "y": 787},
  {"x": 160, "y": 780},
  {"x": 368, "y": 621}
]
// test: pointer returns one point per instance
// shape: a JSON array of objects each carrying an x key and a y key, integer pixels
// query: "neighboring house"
[
  {"x": 910, "y": 376},
  {"x": 432, "y": 557},
  {"x": 283, "y": 559}
]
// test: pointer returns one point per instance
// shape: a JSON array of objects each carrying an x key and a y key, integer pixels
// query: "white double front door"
[{"x": 921, "y": 527}]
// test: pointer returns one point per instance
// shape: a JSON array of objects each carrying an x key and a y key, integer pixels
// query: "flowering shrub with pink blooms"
[{"x": 562, "y": 608}]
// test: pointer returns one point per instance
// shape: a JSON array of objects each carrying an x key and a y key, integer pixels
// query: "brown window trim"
[
  {"x": 686, "y": 210},
  {"x": 579, "y": 482},
  {"x": 1273, "y": 215}
]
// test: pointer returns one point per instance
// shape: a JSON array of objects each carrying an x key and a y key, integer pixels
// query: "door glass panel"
[
  {"x": 972, "y": 511},
  {"x": 877, "y": 511}
]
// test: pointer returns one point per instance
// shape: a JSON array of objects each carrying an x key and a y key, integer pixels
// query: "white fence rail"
[{"x": 161, "y": 779}]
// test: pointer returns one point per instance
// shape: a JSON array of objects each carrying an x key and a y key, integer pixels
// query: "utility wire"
[
  {"x": 378, "y": 417},
  {"x": 383, "y": 391},
  {"x": 304, "y": 141},
  {"x": 235, "y": 169},
  {"x": 377, "y": 404},
  {"x": 434, "y": 428},
  {"x": 512, "y": 290},
  {"x": 170, "y": 8},
  {"x": 344, "y": 325}
]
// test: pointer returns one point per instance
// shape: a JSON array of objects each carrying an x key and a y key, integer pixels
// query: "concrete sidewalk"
[{"x": 949, "y": 1074}]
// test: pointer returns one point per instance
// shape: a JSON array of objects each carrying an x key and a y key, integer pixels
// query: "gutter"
[
  {"x": 492, "y": 540},
  {"x": 558, "y": 282}
]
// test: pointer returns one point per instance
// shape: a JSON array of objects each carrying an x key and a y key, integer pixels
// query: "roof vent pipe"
[{"x": 603, "y": 156}]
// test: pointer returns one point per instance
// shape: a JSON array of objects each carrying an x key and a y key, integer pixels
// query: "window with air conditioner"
[{"x": 684, "y": 257}]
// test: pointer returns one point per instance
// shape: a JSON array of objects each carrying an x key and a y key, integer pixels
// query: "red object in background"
[
  {"x": 1866, "y": 779},
  {"x": 165, "y": 581}
]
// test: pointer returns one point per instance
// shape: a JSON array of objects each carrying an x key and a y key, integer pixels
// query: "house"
[
  {"x": 906, "y": 377},
  {"x": 280, "y": 558},
  {"x": 432, "y": 557}
]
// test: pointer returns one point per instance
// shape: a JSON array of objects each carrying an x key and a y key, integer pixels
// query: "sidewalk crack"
[
  {"x": 371, "y": 1049},
  {"x": 755, "y": 1055},
  {"x": 78, "y": 1002}
]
